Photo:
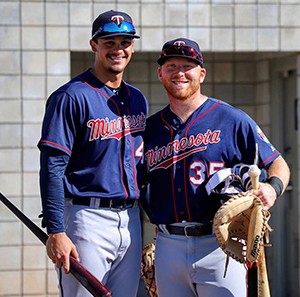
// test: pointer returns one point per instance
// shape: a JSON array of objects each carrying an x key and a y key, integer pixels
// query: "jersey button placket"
[
  {"x": 128, "y": 168},
  {"x": 178, "y": 175}
]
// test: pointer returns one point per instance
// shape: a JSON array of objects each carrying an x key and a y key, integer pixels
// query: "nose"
[
  {"x": 180, "y": 70},
  {"x": 117, "y": 47},
  {"x": 120, "y": 46}
]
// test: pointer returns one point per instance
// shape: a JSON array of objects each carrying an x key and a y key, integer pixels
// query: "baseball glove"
[
  {"x": 147, "y": 269},
  {"x": 240, "y": 225}
]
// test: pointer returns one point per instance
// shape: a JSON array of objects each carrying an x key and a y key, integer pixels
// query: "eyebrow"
[{"x": 115, "y": 37}]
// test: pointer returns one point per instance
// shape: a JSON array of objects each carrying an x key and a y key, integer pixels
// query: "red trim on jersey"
[
  {"x": 95, "y": 89},
  {"x": 271, "y": 157},
  {"x": 184, "y": 161},
  {"x": 204, "y": 114},
  {"x": 98, "y": 91},
  {"x": 134, "y": 167},
  {"x": 133, "y": 164},
  {"x": 185, "y": 191},
  {"x": 128, "y": 90},
  {"x": 56, "y": 145},
  {"x": 172, "y": 171},
  {"x": 121, "y": 149},
  {"x": 121, "y": 145}
]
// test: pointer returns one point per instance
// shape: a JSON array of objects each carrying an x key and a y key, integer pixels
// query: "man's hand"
[
  {"x": 266, "y": 194},
  {"x": 59, "y": 248}
]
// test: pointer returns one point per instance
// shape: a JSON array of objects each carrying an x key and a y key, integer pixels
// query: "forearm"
[
  {"x": 270, "y": 190},
  {"x": 53, "y": 204},
  {"x": 280, "y": 169},
  {"x": 52, "y": 170}
]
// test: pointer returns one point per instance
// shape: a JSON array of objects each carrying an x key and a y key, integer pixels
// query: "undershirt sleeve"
[{"x": 53, "y": 164}]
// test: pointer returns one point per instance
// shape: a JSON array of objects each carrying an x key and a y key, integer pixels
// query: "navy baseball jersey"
[
  {"x": 102, "y": 132},
  {"x": 181, "y": 157}
]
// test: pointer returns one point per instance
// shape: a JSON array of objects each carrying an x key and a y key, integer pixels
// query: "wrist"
[{"x": 276, "y": 184}]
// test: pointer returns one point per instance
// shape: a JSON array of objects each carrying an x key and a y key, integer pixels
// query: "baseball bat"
[
  {"x": 85, "y": 277},
  {"x": 260, "y": 270}
]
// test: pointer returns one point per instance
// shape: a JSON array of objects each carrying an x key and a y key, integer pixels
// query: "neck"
[
  {"x": 110, "y": 79},
  {"x": 185, "y": 108}
]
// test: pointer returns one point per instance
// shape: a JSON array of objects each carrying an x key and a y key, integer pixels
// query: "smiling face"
[
  {"x": 181, "y": 77},
  {"x": 112, "y": 53}
]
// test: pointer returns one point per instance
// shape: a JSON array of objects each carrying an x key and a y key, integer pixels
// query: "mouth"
[
  {"x": 179, "y": 82},
  {"x": 116, "y": 59}
]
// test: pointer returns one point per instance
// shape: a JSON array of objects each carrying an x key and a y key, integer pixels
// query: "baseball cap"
[
  {"x": 181, "y": 47},
  {"x": 113, "y": 23}
]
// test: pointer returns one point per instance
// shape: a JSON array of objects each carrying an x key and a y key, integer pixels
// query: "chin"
[{"x": 116, "y": 70}]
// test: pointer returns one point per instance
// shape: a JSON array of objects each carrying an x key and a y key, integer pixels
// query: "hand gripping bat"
[
  {"x": 85, "y": 277},
  {"x": 259, "y": 286}
]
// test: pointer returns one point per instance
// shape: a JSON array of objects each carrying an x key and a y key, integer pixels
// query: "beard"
[
  {"x": 117, "y": 67},
  {"x": 115, "y": 71},
  {"x": 182, "y": 92}
]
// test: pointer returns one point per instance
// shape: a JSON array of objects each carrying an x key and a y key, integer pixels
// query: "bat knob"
[{"x": 254, "y": 171}]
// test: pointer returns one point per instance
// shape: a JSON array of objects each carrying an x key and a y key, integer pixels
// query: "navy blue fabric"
[
  {"x": 53, "y": 166},
  {"x": 181, "y": 157}
]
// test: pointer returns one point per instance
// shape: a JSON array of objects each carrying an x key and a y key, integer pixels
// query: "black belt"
[
  {"x": 119, "y": 204},
  {"x": 190, "y": 230}
]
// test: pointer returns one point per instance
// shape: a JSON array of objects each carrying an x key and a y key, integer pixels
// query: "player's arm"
[
  {"x": 53, "y": 166},
  {"x": 59, "y": 248},
  {"x": 280, "y": 169},
  {"x": 278, "y": 176}
]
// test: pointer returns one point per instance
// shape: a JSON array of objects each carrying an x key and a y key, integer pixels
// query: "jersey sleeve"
[
  {"x": 60, "y": 121},
  {"x": 251, "y": 140}
]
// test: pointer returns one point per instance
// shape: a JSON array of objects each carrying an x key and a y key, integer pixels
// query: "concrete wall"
[{"x": 44, "y": 43}]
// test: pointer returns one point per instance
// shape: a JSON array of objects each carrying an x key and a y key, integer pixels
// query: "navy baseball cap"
[
  {"x": 181, "y": 47},
  {"x": 113, "y": 23}
]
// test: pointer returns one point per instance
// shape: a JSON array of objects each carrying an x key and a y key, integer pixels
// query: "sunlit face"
[
  {"x": 113, "y": 53},
  {"x": 181, "y": 77}
]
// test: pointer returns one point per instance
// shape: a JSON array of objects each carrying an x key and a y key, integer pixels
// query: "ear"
[
  {"x": 202, "y": 75},
  {"x": 159, "y": 73},
  {"x": 93, "y": 45}
]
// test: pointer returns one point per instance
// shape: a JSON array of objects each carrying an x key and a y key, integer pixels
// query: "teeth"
[
  {"x": 116, "y": 58},
  {"x": 179, "y": 82}
]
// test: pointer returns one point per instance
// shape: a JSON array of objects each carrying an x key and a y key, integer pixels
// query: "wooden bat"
[
  {"x": 85, "y": 277},
  {"x": 259, "y": 271}
]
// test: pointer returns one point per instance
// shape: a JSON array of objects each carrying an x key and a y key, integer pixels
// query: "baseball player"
[
  {"x": 91, "y": 148},
  {"x": 185, "y": 144}
]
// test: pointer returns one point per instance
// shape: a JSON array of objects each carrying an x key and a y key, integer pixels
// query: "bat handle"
[
  {"x": 254, "y": 173},
  {"x": 262, "y": 275},
  {"x": 86, "y": 278}
]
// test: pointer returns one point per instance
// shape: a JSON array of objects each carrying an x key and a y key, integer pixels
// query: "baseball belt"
[
  {"x": 189, "y": 230},
  {"x": 118, "y": 204}
]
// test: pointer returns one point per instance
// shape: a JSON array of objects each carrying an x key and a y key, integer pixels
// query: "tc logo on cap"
[
  {"x": 118, "y": 19},
  {"x": 179, "y": 43}
]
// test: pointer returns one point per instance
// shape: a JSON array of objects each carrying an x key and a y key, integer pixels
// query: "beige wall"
[{"x": 43, "y": 43}]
